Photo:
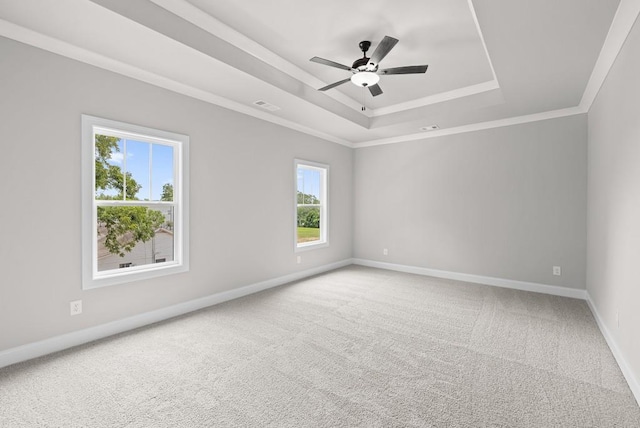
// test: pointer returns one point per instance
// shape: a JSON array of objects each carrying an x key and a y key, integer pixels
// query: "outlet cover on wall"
[
  {"x": 385, "y": 252},
  {"x": 75, "y": 307},
  {"x": 557, "y": 270}
]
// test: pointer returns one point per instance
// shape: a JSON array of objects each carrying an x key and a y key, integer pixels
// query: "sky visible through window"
[
  {"x": 309, "y": 182},
  {"x": 138, "y": 163}
]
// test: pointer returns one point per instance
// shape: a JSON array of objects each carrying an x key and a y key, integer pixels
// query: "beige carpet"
[{"x": 353, "y": 347}]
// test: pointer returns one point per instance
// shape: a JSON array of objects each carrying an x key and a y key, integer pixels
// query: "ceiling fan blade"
[
  {"x": 382, "y": 49},
  {"x": 375, "y": 90},
  {"x": 333, "y": 85},
  {"x": 330, "y": 63},
  {"x": 410, "y": 69}
]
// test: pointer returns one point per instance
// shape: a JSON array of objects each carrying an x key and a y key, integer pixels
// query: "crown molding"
[
  {"x": 484, "y": 44},
  {"x": 438, "y": 98},
  {"x": 623, "y": 22},
  {"x": 203, "y": 20},
  {"x": 210, "y": 24},
  {"x": 517, "y": 120},
  {"x": 51, "y": 44}
]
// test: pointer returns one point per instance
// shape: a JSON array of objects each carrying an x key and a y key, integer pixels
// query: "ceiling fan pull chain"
[{"x": 363, "y": 98}]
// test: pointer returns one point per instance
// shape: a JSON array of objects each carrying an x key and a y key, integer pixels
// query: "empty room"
[{"x": 320, "y": 214}]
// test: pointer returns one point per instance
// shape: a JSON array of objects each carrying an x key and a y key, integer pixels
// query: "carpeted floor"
[{"x": 353, "y": 347}]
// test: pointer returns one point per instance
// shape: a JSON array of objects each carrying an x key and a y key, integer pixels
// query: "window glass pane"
[
  {"x": 300, "y": 187},
  {"x": 309, "y": 212},
  {"x": 109, "y": 155},
  {"x": 161, "y": 172},
  {"x": 130, "y": 236},
  {"x": 308, "y": 186},
  {"x": 313, "y": 188},
  {"x": 308, "y": 224},
  {"x": 137, "y": 170}
]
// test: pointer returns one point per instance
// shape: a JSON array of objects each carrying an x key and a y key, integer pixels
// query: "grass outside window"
[{"x": 308, "y": 234}]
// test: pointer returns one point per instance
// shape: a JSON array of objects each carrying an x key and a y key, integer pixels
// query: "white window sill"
[{"x": 311, "y": 246}]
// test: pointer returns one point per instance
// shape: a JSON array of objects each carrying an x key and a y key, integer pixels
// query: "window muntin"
[
  {"x": 135, "y": 223},
  {"x": 311, "y": 204}
]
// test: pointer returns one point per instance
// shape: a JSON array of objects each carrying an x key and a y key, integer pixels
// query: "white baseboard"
[
  {"x": 65, "y": 341},
  {"x": 478, "y": 279},
  {"x": 68, "y": 340},
  {"x": 632, "y": 380}
]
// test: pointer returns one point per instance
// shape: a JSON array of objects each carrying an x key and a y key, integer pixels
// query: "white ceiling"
[
  {"x": 441, "y": 33},
  {"x": 488, "y": 60}
]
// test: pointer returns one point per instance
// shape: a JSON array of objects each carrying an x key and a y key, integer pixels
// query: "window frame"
[
  {"x": 324, "y": 206},
  {"x": 91, "y": 277}
]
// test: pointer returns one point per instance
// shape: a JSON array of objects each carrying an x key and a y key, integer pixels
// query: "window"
[
  {"x": 311, "y": 205},
  {"x": 135, "y": 204}
]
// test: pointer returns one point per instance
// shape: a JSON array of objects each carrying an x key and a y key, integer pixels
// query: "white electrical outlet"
[
  {"x": 299, "y": 259},
  {"x": 385, "y": 252},
  {"x": 557, "y": 270},
  {"x": 76, "y": 307}
]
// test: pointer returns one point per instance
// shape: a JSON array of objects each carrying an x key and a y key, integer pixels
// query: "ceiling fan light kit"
[
  {"x": 365, "y": 70},
  {"x": 365, "y": 78}
]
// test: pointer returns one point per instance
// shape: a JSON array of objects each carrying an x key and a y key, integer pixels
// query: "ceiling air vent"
[
  {"x": 265, "y": 105},
  {"x": 430, "y": 128}
]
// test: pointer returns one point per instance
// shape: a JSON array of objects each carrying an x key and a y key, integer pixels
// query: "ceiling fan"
[{"x": 365, "y": 70}]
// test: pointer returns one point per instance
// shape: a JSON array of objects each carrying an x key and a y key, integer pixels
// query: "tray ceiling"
[{"x": 488, "y": 60}]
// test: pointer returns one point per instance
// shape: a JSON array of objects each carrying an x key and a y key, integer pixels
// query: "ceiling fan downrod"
[{"x": 364, "y": 47}]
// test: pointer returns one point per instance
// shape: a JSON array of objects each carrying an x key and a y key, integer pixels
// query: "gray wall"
[
  {"x": 506, "y": 202},
  {"x": 613, "y": 279},
  {"x": 241, "y": 172}
]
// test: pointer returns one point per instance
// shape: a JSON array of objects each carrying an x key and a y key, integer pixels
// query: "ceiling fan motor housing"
[{"x": 362, "y": 64}]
